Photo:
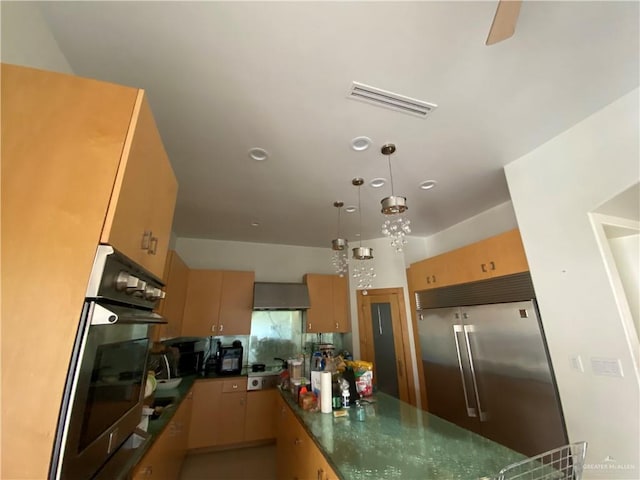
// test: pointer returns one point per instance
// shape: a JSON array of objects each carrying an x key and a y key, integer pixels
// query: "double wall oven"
[{"x": 104, "y": 391}]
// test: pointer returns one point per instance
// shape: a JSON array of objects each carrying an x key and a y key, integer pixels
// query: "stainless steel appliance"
[
  {"x": 263, "y": 380},
  {"x": 104, "y": 390},
  {"x": 486, "y": 364}
]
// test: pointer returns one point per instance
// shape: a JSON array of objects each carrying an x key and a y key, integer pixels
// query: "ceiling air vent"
[{"x": 382, "y": 98}]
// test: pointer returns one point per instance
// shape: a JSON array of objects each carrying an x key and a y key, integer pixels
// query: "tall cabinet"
[{"x": 73, "y": 150}]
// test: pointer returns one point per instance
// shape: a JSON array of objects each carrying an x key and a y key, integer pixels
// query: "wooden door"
[
  {"x": 388, "y": 348},
  {"x": 62, "y": 138},
  {"x": 261, "y": 415},
  {"x": 202, "y": 303},
  {"x": 319, "y": 317},
  {"x": 132, "y": 214},
  {"x": 236, "y": 303},
  {"x": 340, "y": 301},
  {"x": 204, "y": 413}
]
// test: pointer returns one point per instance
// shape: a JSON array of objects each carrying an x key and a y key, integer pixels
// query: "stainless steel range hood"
[{"x": 280, "y": 296}]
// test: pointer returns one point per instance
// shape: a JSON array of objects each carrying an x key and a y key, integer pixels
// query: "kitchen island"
[{"x": 399, "y": 441}]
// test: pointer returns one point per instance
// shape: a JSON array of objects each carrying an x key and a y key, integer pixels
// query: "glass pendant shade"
[
  {"x": 339, "y": 256},
  {"x": 362, "y": 269},
  {"x": 396, "y": 225}
]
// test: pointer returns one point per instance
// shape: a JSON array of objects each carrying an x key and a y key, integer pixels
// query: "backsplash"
[{"x": 275, "y": 334}]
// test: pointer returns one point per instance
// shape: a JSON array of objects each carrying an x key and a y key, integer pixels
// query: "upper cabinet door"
[
  {"x": 202, "y": 303},
  {"x": 236, "y": 303},
  {"x": 138, "y": 221},
  {"x": 319, "y": 317},
  {"x": 340, "y": 293}
]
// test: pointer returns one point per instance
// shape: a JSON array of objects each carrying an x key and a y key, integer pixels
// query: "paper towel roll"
[{"x": 325, "y": 392}]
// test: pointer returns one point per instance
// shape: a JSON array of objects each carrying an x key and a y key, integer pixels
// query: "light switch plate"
[{"x": 609, "y": 367}]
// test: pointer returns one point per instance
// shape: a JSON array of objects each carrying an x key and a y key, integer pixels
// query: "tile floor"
[{"x": 255, "y": 463}]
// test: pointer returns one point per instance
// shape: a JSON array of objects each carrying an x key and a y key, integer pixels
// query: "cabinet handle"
[
  {"x": 320, "y": 474},
  {"x": 235, "y": 386},
  {"x": 297, "y": 441},
  {"x": 428, "y": 279},
  {"x": 337, "y": 327},
  {"x": 493, "y": 265},
  {"x": 153, "y": 246},
  {"x": 483, "y": 267},
  {"x": 433, "y": 277},
  {"x": 213, "y": 328},
  {"x": 309, "y": 326},
  {"x": 221, "y": 327},
  {"x": 146, "y": 239}
]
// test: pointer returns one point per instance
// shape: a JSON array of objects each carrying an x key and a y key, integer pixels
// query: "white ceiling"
[{"x": 223, "y": 77}]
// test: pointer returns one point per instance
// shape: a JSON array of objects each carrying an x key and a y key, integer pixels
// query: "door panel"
[
  {"x": 514, "y": 383},
  {"x": 385, "y": 352},
  {"x": 446, "y": 367}
]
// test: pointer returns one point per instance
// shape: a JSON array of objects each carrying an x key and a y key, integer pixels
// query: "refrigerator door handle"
[
  {"x": 467, "y": 330},
  {"x": 471, "y": 412}
]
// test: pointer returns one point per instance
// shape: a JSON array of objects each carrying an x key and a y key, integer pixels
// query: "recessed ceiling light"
[
  {"x": 377, "y": 182},
  {"x": 255, "y": 224},
  {"x": 350, "y": 209},
  {"x": 427, "y": 184},
  {"x": 360, "y": 144},
  {"x": 258, "y": 154}
]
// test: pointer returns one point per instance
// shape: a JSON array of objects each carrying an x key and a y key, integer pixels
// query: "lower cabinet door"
[
  {"x": 204, "y": 413},
  {"x": 261, "y": 415}
]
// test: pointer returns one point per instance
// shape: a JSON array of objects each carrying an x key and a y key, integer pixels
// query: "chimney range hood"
[{"x": 280, "y": 296}]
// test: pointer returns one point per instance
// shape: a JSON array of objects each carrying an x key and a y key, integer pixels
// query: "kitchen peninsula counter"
[{"x": 399, "y": 441}]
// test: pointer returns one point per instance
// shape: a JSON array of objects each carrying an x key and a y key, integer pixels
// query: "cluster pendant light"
[
  {"x": 396, "y": 225},
  {"x": 339, "y": 257},
  {"x": 363, "y": 272}
]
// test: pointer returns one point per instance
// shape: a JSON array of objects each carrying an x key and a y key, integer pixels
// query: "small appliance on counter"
[
  {"x": 191, "y": 355},
  {"x": 227, "y": 359}
]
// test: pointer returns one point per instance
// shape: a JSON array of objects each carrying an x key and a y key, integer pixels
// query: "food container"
[{"x": 295, "y": 368}]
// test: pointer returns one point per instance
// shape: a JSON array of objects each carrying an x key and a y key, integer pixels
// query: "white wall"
[
  {"x": 272, "y": 263},
  {"x": 553, "y": 189},
  {"x": 27, "y": 40}
]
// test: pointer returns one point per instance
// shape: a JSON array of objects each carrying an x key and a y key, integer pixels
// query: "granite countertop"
[{"x": 399, "y": 441}]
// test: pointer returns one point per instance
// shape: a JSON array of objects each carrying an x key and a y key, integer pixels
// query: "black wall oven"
[{"x": 105, "y": 385}]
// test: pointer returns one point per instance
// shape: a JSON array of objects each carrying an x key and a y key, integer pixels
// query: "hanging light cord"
[
  {"x": 339, "y": 208},
  {"x": 360, "y": 215},
  {"x": 390, "y": 175}
]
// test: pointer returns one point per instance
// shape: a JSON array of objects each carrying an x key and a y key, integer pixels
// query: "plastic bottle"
[{"x": 345, "y": 398}]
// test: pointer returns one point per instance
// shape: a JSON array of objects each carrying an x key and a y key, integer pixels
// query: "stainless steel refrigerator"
[{"x": 486, "y": 364}]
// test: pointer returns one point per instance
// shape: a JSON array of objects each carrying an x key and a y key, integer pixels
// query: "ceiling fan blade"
[{"x": 504, "y": 22}]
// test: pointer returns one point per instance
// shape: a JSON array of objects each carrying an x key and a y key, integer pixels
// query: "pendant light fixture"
[
  {"x": 339, "y": 257},
  {"x": 396, "y": 224},
  {"x": 363, "y": 272}
]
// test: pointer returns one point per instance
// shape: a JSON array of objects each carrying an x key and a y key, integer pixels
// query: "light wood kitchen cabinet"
[
  {"x": 329, "y": 297},
  {"x": 218, "y": 414},
  {"x": 67, "y": 145},
  {"x": 496, "y": 256},
  {"x": 138, "y": 221},
  {"x": 218, "y": 302},
  {"x": 260, "y": 417},
  {"x": 175, "y": 277},
  {"x": 297, "y": 456},
  {"x": 164, "y": 460}
]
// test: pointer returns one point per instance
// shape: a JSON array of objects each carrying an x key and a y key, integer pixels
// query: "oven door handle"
[{"x": 101, "y": 314}]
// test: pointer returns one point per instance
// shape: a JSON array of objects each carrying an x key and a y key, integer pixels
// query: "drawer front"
[{"x": 235, "y": 385}]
